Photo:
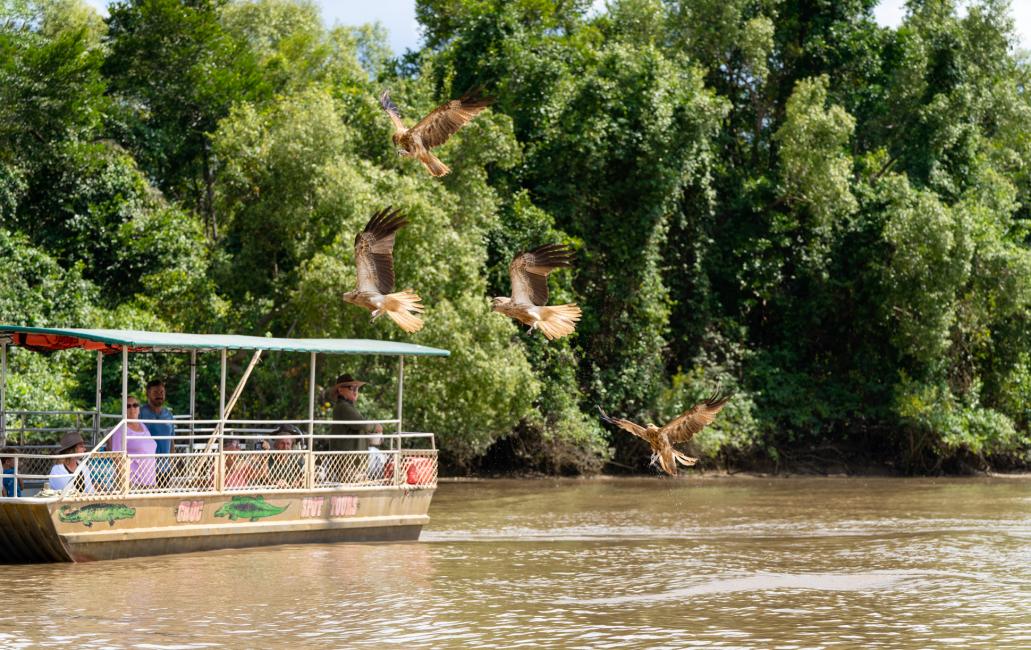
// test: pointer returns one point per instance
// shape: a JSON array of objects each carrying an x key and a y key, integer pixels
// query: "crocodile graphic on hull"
[
  {"x": 247, "y": 507},
  {"x": 87, "y": 515}
]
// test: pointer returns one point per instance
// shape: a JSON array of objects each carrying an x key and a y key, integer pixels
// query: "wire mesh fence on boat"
[{"x": 201, "y": 464}]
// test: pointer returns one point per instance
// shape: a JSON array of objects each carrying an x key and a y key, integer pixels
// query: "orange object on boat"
[{"x": 420, "y": 471}]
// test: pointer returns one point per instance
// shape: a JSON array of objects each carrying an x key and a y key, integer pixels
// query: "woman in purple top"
[{"x": 142, "y": 471}]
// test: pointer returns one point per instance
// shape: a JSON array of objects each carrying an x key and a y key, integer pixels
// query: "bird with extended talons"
[{"x": 682, "y": 429}]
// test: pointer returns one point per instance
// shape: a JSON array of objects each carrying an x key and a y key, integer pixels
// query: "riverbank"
[
  {"x": 529, "y": 457},
  {"x": 687, "y": 475}
]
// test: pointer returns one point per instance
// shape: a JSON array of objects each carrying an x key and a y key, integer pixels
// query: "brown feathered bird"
[
  {"x": 528, "y": 304},
  {"x": 374, "y": 258},
  {"x": 434, "y": 129},
  {"x": 679, "y": 430}
]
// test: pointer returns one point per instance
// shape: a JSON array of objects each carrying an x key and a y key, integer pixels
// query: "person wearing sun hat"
[
  {"x": 61, "y": 472},
  {"x": 347, "y": 388}
]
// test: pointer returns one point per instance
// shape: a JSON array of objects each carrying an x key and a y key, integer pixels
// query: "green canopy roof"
[{"x": 108, "y": 341}]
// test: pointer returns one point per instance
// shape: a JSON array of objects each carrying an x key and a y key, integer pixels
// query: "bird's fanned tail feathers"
[
  {"x": 434, "y": 164},
  {"x": 558, "y": 320},
  {"x": 400, "y": 307}
]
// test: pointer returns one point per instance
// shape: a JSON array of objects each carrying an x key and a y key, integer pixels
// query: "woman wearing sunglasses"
[{"x": 138, "y": 444}]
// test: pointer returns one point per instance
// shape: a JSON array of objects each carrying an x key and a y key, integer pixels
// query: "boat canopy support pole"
[
  {"x": 220, "y": 429},
  {"x": 309, "y": 478},
  {"x": 193, "y": 394},
  {"x": 125, "y": 382},
  {"x": 3, "y": 394},
  {"x": 400, "y": 392},
  {"x": 222, "y": 399},
  {"x": 99, "y": 396},
  {"x": 222, "y": 393}
]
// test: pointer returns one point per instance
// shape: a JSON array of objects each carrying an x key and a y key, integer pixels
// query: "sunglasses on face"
[{"x": 133, "y": 405}]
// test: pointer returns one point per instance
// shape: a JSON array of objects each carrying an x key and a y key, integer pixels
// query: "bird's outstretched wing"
[
  {"x": 392, "y": 111},
  {"x": 374, "y": 251},
  {"x": 446, "y": 119},
  {"x": 529, "y": 272},
  {"x": 691, "y": 422},
  {"x": 625, "y": 425}
]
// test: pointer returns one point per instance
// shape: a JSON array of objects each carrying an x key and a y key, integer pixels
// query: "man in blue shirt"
[{"x": 155, "y": 409}]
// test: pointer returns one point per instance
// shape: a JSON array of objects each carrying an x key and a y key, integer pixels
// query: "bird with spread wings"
[
  {"x": 374, "y": 258},
  {"x": 679, "y": 430},
  {"x": 434, "y": 129},
  {"x": 529, "y": 301}
]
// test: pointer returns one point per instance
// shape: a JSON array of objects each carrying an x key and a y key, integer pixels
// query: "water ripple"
[{"x": 640, "y": 564}]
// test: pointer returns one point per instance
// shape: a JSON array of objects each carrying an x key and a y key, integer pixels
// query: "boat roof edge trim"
[{"x": 111, "y": 340}]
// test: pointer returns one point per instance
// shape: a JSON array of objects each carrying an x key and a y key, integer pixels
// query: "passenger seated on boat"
[
  {"x": 287, "y": 470},
  {"x": 142, "y": 470},
  {"x": 377, "y": 459},
  {"x": 61, "y": 472},
  {"x": 241, "y": 471},
  {"x": 9, "y": 489}
]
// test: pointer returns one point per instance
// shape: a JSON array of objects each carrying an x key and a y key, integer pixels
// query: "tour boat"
[{"x": 201, "y": 495}]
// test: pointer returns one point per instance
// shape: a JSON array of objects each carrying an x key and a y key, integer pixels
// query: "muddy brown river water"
[{"x": 721, "y": 562}]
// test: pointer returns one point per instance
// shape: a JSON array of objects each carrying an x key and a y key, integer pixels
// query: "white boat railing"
[
  {"x": 199, "y": 462},
  {"x": 20, "y": 424}
]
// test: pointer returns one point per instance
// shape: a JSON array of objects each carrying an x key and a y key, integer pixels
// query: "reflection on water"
[{"x": 730, "y": 563}]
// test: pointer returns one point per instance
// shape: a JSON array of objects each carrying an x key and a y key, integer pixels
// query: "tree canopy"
[{"x": 830, "y": 218}]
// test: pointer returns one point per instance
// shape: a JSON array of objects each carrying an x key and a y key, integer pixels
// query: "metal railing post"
[{"x": 397, "y": 465}]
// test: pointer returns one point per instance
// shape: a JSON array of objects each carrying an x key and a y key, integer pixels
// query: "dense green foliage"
[{"x": 831, "y": 218}]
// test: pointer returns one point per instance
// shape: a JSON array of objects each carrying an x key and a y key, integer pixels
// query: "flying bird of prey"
[
  {"x": 434, "y": 129},
  {"x": 679, "y": 430},
  {"x": 374, "y": 257},
  {"x": 528, "y": 304}
]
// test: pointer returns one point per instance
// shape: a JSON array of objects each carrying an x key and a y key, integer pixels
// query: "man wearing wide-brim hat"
[
  {"x": 347, "y": 388},
  {"x": 63, "y": 469}
]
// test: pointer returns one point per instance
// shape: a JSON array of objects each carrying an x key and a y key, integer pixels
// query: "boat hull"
[{"x": 38, "y": 530}]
